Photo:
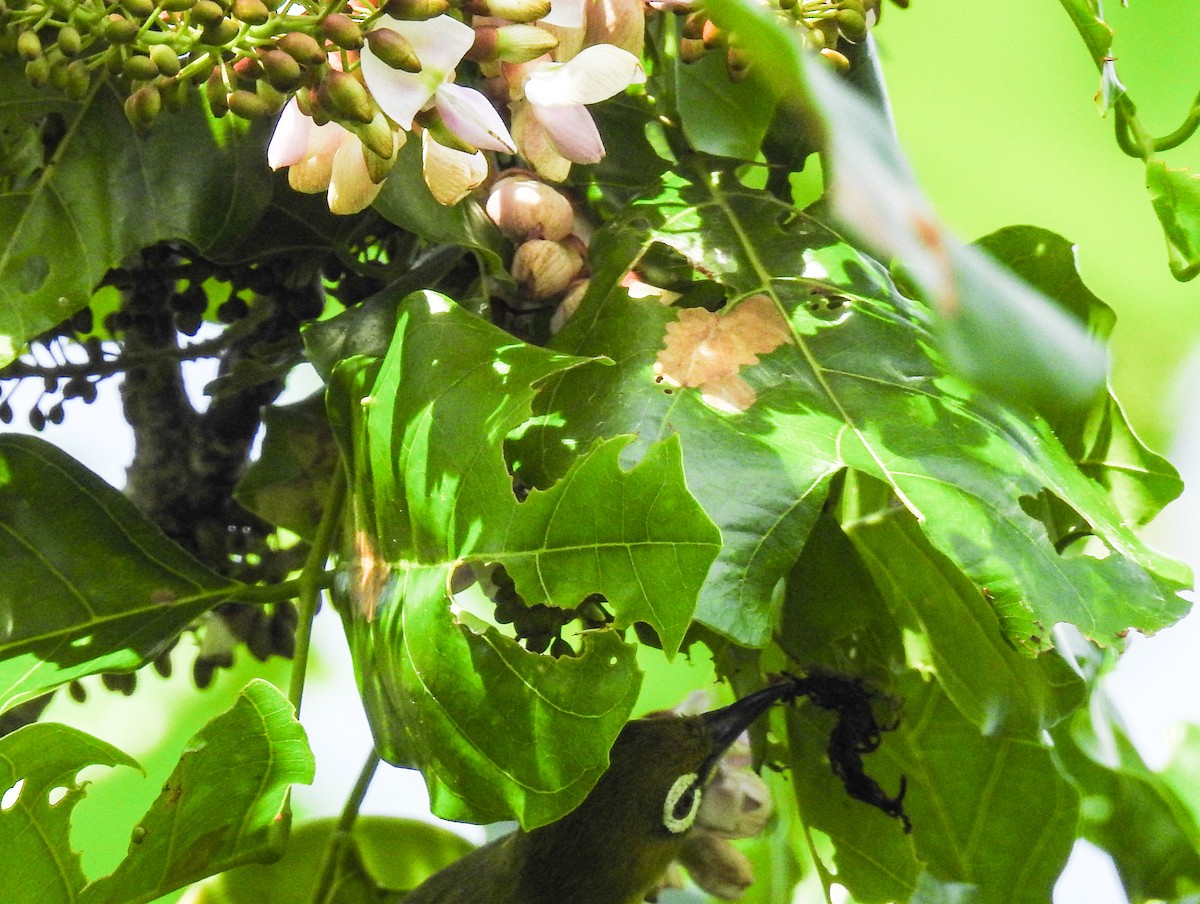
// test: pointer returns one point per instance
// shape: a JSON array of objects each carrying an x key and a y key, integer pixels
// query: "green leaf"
[
  {"x": 392, "y": 854},
  {"x": 952, "y": 632},
  {"x": 104, "y": 192},
  {"x": 425, "y": 434},
  {"x": 860, "y": 383},
  {"x": 90, "y": 585},
  {"x": 1102, "y": 442},
  {"x": 288, "y": 483},
  {"x": 721, "y": 117},
  {"x": 1175, "y": 194},
  {"x": 36, "y": 859},
  {"x": 1130, "y": 811},
  {"x": 223, "y": 805}
]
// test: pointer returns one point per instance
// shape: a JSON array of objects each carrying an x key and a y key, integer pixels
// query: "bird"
[{"x": 615, "y": 846}]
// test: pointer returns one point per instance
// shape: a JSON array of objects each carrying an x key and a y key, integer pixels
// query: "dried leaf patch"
[{"x": 707, "y": 351}]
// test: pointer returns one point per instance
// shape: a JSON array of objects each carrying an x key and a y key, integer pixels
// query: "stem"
[
  {"x": 311, "y": 583},
  {"x": 341, "y": 832}
]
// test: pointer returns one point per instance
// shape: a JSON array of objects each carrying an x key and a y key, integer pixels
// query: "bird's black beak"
[{"x": 728, "y": 722}]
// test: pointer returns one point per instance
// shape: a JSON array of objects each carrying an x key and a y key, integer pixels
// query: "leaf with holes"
[
  {"x": 103, "y": 192},
  {"x": 862, "y": 385},
  {"x": 38, "y": 768},
  {"x": 222, "y": 806},
  {"x": 498, "y": 730},
  {"x": 89, "y": 584}
]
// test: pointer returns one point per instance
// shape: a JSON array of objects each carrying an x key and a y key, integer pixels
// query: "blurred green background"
[{"x": 994, "y": 103}]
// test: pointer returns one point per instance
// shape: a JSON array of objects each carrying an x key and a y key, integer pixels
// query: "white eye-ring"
[{"x": 683, "y": 800}]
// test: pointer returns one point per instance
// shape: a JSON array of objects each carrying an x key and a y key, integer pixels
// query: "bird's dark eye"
[{"x": 683, "y": 800}]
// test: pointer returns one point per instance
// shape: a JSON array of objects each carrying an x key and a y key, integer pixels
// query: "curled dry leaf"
[{"x": 707, "y": 351}]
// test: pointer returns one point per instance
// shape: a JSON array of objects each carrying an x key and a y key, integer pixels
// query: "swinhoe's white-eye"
[{"x": 614, "y": 847}]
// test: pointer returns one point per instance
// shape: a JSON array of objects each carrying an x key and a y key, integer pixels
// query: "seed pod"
[
  {"x": 394, "y": 49},
  {"x": 252, "y": 12},
  {"x": 346, "y": 95},
  {"x": 69, "y": 40},
  {"x": 545, "y": 268},
  {"x": 529, "y": 208},
  {"x": 247, "y": 105},
  {"x": 37, "y": 72},
  {"x": 415, "y": 10},
  {"x": 207, "y": 12},
  {"x": 140, "y": 68},
  {"x": 342, "y": 31},
  {"x": 29, "y": 46},
  {"x": 143, "y": 106},
  {"x": 165, "y": 59},
  {"x": 281, "y": 69}
]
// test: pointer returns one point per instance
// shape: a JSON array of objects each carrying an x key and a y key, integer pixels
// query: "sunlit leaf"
[
  {"x": 498, "y": 730},
  {"x": 222, "y": 806},
  {"x": 863, "y": 385},
  {"x": 90, "y": 585}
]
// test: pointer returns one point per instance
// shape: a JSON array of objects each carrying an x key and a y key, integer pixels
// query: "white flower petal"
[
  {"x": 595, "y": 74},
  {"x": 350, "y": 187},
  {"x": 565, "y": 13},
  {"x": 296, "y": 137},
  {"x": 536, "y": 145},
  {"x": 573, "y": 132},
  {"x": 451, "y": 175},
  {"x": 440, "y": 44},
  {"x": 471, "y": 116}
]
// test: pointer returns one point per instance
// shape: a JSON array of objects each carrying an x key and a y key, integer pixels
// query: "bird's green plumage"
[{"x": 614, "y": 846}]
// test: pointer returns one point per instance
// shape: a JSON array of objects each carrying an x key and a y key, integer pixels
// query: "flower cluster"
[{"x": 540, "y": 62}]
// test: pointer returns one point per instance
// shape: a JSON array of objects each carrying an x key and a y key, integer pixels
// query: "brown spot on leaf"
[{"x": 707, "y": 351}]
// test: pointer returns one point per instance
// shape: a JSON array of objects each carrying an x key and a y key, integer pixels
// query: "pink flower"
[
  {"x": 322, "y": 158},
  {"x": 440, "y": 44},
  {"x": 550, "y": 117}
]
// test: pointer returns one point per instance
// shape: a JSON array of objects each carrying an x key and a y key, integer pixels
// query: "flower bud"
[
  {"x": 394, "y": 49},
  {"x": 545, "y": 268},
  {"x": 852, "y": 24},
  {"x": 207, "y": 12},
  {"x": 514, "y": 10},
  {"x": 717, "y": 866},
  {"x": 712, "y": 36},
  {"x": 140, "y": 68},
  {"x": 178, "y": 6},
  {"x": 691, "y": 49},
  {"x": 37, "y": 72},
  {"x": 165, "y": 59},
  {"x": 142, "y": 106},
  {"x": 377, "y": 136},
  {"x": 737, "y": 64},
  {"x": 415, "y": 10},
  {"x": 29, "y": 45},
  {"x": 58, "y": 70},
  {"x": 281, "y": 69},
  {"x": 511, "y": 43},
  {"x": 174, "y": 93},
  {"x": 247, "y": 105},
  {"x": 140, "y": 9},
  {"x": 302, "y": 47},
  {"x": 693, "y": 26},
  {"x": 216, "y": 93},
  {"x": 342, "y": 31},
  {"x": 529, "y": 209},
  {"x": 220, "y": 33},
  {"x": 119, "y": 30},
  {"x": 69, "y": 40},
  {"x": 79, "y": 80},
  {"x": 270, "y": 96},
  {"x": 346, "y": 95},
  {"x": 252, "y": 12}
]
